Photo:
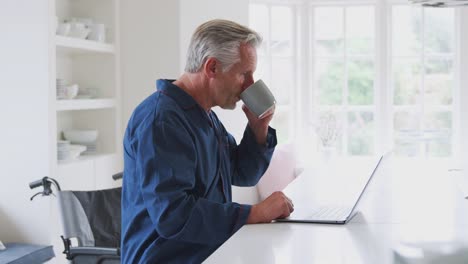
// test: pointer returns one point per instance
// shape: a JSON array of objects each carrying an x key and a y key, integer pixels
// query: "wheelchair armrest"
[
  {"x": 94, "y": 251},
  {"x": 117, "y": 176}
]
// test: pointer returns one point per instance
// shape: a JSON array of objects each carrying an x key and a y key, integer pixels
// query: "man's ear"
[{"x": 211, "y": 67}]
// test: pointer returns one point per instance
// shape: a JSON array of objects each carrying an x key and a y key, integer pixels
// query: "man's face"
[{"x": 234, "y": 81}]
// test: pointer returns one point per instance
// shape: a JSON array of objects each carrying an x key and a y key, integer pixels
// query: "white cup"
[
  {"x": 71, "y": 91},
  {"x": 63, "y": 29},
  {"x": 98, "y": 33},
  {"x": 79, "y": 30},
  {"x": 85, "y": 20},
  {"x": 258, "y": 98}
]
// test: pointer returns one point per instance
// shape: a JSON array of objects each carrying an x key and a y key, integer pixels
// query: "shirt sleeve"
[
  {"x": 250, "y": 160},
  {"x": 166, "y": 163}
]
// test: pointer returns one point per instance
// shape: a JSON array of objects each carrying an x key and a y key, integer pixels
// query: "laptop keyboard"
[{"x": 339, "y": 213}]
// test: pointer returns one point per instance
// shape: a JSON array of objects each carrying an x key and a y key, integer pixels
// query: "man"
[{"x": 180, "y": 161}]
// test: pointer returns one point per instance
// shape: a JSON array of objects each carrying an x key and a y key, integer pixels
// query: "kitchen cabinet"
[{"x": 93, "y": 65}]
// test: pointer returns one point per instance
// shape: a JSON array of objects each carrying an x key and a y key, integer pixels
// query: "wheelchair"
[{"x": 91, "y": 221}]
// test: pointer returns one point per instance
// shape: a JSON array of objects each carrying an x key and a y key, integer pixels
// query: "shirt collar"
[{"x": 181, "y": 97}]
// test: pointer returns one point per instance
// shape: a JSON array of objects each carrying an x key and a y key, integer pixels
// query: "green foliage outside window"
[{"x": 361, "y": 83}]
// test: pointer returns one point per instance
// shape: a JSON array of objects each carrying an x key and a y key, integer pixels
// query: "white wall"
[
  {"x": 194, "y": 13},
  {"x": 24, "y": 119},
  {"x": 149, "y": 46}
]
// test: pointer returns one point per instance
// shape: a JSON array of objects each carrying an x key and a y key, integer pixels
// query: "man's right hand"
[{"x": 277, "y": 205}]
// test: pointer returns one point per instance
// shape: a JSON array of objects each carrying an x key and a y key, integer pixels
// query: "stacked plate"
[
  {"x": 63, "y": 150},
  {"x": 90, "y": 148},
  {"x": 61, "y": 88},
  {"x": 67, "y": 151}
]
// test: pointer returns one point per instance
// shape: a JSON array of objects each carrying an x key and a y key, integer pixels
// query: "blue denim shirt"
[{"x": 179, "y": 166}]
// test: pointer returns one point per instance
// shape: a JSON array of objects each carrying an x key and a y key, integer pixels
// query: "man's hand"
[
  {"x": 277, "y": 205},
  {"x": 259, "y": 126}
]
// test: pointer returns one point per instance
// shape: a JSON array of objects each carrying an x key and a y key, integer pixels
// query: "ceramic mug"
[
  {"x": 258, "y": 98},
  {"x": 63, "y": 29},
  {"x": 71, "y": 91},
  {"x": 98, "y": 33},
  {"x": 79, "y": 30}
]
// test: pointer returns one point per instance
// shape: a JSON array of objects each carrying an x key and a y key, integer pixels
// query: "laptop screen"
[{"x": 340, "y": 182}]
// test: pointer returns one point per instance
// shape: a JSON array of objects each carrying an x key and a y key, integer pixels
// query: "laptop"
[{"x": 333, "y": 214}]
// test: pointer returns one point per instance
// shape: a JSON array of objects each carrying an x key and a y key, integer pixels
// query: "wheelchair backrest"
[{"x": 92, "y": 217}]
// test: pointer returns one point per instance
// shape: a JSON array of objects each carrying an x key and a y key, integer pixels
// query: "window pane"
[
  {"x": 262, "y": 71},
  {"x": 259, "y": 21},
  {"x": 360, "y": 133},
  {"x": 328, "y": 31},
  {"x": 281, "y": 123},
  {"x": 438, "y": 82},
  {"x": 406, "y": 30},
  {"x": 360, "y": 82},
  {"x": 423, "y": 80},
  {"x": 438, "y": 134},
  {"x": 406, "y": 82},
  {"x": 281, "y": 30},
  {"x": 330, "y": 80},
  {"x": 360, "y": 30},
  {"x": 406, "y": 133},
  {"x": 439, "y": 30},
  {"x": 282, "y": 79}
]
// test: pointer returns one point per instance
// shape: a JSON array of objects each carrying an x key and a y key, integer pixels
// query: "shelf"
[
  {"x": 82, "y": 46},
  {"x": 84, "y": 158},
  {"x": 84, "y": 104},
  {"x": 94, "y": 65}
]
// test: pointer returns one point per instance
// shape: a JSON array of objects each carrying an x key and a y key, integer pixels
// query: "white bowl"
[
  {"x": 79, "y": 30},
  {"x": 71, "y": 91},
  {"x": 81, "y": 136}
]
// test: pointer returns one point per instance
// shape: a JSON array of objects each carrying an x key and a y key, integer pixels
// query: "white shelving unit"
[
  {"x": 92, "y": 65},
  {"x": 85, "y": 104},
  {"x": 83, "y": 46}
]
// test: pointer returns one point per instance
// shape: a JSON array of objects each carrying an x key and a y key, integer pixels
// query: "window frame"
[
  {"x": 421, "y": 108},
  {"x": 345, "y": 108},
  {"x": 269, "y": 57},
  {"x": 305, "y": 90}
]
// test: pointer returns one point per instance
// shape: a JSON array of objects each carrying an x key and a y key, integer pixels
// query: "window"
[
  {"x": 344, "y": 72},
  {"x": 422, "y": 80},
  {"x": 276, "y": 59},
  {"x": 359, "y": 81}
]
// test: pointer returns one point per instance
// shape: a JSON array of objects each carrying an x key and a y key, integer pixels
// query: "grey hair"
[{"x": 220, "y": 39}]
